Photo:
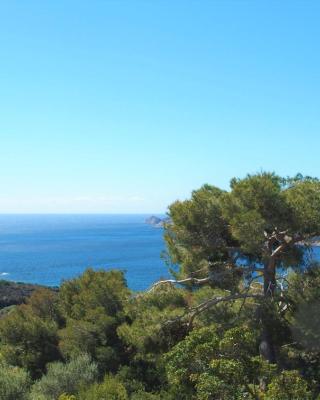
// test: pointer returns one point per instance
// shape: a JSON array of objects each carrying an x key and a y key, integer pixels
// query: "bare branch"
[
  {"x": 208, "y": 304},
  {"x": 181, "y": 282},
  {"x": 198, "y": 271},
  {"x": 202, "y": 281},
  {"x": 278, "y": 250},
  {"x": 246, "y": 292},
  {"x": 213, "y": 302},
  {"x": 286, "y": 240}
]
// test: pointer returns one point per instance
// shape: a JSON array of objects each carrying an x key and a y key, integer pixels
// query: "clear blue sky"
[{"x": 125, "y": 106}]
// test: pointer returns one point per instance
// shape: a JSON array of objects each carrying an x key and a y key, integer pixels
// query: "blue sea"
[{"x": 47, "y": 249}]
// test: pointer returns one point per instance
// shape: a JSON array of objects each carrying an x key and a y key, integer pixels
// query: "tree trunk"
[
  {"x": 266, "y": 347},
  {"x": 269, "y": 278}
]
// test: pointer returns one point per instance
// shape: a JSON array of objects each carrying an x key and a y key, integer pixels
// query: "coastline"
[{"x": 15, "y": 293}]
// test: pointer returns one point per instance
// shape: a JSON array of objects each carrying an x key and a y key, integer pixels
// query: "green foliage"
[
  {"x": 210, "y": 363},
  {"x": 253, "y": 206},
  {"x": 304, "y": 295},
  {"x": 147, "y": 333},
  {"x": 14, "y": 383},
  {"x": 65, "y": 378},
  {"x": 147, "y": 330},
  {"x": 6, "y": 310},
  {"x": 92, "y": 306},
  {"x": 94, "y": 289},
  {"x": 260, "y": 194},
  {"x": 44, "y": 304},
  {"x": 303, "y": 353},
  {"x": 288, "y": 386},
  {"x": 141, "y": 395},
  {"x": 223, "y": 381},
  {"x": 204, "y": 228},
  {"x": 120, "y": 345},
  {"x": 198, "y": 232},
  {"x": 110, "y": 389},
  {"x": 191, "y": 355},
  {"x": 28, "y": 341},
  {"x": 133, "y": 377},
  {"x": 303, "y": 198},
  {"x": 93, "y": 336},
  {"x": 222, "y": 314},
  {"x": 264, "y": 222},
  {"x": 65, "y": 396}
]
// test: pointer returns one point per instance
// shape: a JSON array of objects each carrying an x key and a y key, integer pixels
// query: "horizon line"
[{"x": 82, "y": 213}]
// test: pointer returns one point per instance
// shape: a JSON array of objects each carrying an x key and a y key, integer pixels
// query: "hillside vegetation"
[{"x": 238, "y": 320}]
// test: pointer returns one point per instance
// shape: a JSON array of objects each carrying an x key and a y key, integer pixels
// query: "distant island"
[{"x": 156, "y": 221}]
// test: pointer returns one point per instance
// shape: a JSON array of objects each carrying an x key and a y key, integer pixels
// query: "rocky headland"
[{"x": 157, "y": 222}]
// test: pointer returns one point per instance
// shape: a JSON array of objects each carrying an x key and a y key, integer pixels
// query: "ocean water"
[{"x": 47, "y": 249}]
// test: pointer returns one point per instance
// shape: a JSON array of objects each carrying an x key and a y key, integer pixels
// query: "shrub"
[
  {"x": 65, "y": 378},
  {"x": 110, "y": 389},
  {"x": 67, "y": 397},
  {"x": 288, "y": 386},
  {"x": 28, "y": 341},
  {"x": 14, "y": 383},
  {"x": 141, "y": 395},
  {"x": 92, "y": 306}
]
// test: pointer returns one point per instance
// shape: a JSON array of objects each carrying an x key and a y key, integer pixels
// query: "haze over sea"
[{"x": 47, "y": 249}]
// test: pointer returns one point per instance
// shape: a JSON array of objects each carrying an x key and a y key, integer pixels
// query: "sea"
[{"x": 48, "y": 249}]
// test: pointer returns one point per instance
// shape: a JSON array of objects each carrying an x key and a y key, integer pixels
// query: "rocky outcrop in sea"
[{"x": 157, "y": 222}]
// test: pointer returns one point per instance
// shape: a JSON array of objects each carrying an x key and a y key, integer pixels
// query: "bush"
[
  {"x": 288, "y": 386},
  {"x": 110, "y": 389},
  {"x": 28, "y": 341},
  {"x": 92, "y": 306},
  {"x": 14, "y": 383},
  {"x": 141, "y": 395},
  {"x": 64, "y": 379}
]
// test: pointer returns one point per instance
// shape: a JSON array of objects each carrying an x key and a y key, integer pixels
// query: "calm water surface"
[{"x": 47, "y": 249}]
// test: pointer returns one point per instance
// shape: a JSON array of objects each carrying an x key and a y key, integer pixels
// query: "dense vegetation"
[
  {"x": 239, "y": 321},
  {"x": 13, "y": 293}
]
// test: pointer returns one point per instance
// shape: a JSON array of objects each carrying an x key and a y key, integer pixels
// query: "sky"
[{"x": 127, "y": 106}]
